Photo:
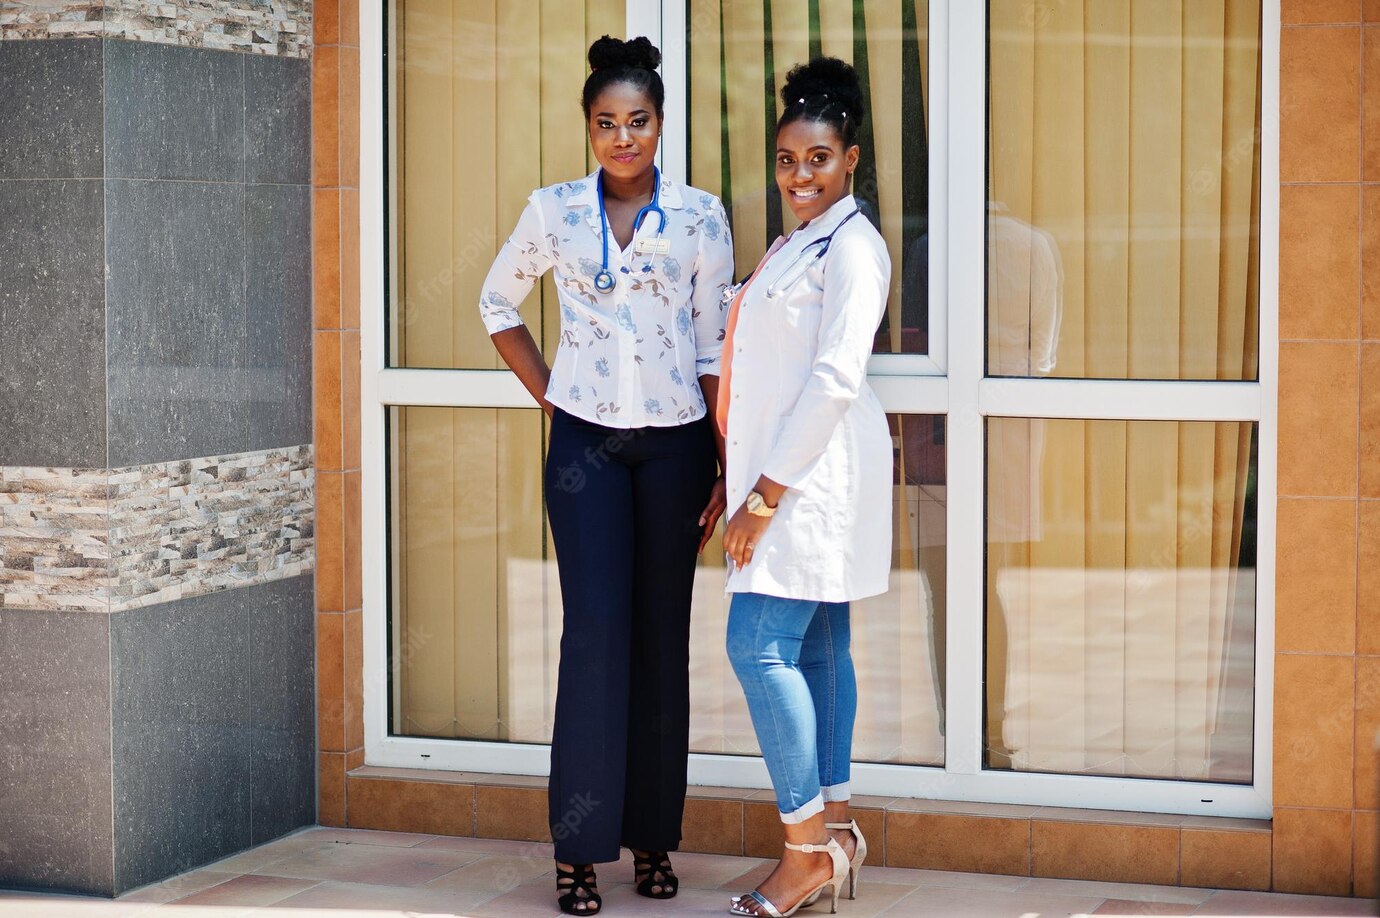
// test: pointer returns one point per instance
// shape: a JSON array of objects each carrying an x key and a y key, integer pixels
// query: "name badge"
[{"x": 656, "y": 246}]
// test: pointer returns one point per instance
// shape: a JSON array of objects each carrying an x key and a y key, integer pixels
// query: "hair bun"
[
  {"x": 825, "y": 77},
  {"x": 614, "y": 52}
]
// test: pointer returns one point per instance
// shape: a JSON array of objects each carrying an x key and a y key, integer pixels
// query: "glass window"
[
  {"x": 1121, "y": 597},
  {"x": 1123, "y": 212},
  {"x": 898, "y": 637},
  {"x": 472, "y": 584},
  {"x": 739, "y": 56},
  {"x": 485, "y": 107},
  {"x": 477, "y": 603}
]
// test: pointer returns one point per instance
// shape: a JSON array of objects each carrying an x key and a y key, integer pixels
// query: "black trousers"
[{"x": 624, "y": 507}]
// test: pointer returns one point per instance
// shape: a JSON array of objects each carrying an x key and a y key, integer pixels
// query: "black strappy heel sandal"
[
  {"x": 570, "y": 883},
  {"x": 654, "y": 869}
]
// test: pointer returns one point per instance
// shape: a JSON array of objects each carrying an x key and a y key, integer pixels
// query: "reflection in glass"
[
  {"x": 1123, "y": 143},
  {"x": 484, "y": 107},
  {"x": 476, "y": 602},
  {"x": 739, "y": 55},
  {"x": 1121, "y": 597}
]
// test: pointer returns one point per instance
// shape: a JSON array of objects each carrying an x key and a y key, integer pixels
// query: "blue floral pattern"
[{"x": 641, "y": 346}]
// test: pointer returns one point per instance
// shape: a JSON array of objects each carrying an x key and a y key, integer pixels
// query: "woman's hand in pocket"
[{"x": 718, "y": 502}]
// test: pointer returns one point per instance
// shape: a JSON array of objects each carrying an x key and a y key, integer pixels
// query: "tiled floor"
[{"x": 343, "y": 873}]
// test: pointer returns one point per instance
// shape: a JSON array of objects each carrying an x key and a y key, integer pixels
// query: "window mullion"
[{"x": 963, "y": 63}]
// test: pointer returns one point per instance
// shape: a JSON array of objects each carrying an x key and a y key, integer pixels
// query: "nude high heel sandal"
[
  {"x": 859, "y": 854},
  {"x": 740, "y": 904}
]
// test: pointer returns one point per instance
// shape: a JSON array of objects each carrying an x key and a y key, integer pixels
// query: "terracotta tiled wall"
[
  {"x": 335, "y": 179},
  {"x": 1327, "y": 665}
]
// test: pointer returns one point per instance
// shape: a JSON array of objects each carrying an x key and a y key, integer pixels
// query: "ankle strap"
[
  {"x": 850, "y": 824},
  {"x": 811, "y": 849}
]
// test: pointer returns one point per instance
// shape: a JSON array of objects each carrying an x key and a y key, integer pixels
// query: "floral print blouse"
[{"x": 631, "y": 357}]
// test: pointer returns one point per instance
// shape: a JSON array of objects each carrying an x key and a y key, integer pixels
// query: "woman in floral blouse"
[{"x": 631, "y": 490}]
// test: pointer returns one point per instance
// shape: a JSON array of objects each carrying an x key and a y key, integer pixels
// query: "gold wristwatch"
[{"x": 757, "y": 505}]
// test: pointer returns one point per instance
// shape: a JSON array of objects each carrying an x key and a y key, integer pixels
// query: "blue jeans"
[{"x": 792, "y": 659}]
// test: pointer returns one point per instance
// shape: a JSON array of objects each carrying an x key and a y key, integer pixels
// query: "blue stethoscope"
[
  {"x": 603, "y": 281},
  {"x": 789, "y": 275}
]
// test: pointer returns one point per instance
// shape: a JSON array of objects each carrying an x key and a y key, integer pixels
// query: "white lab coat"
[{"x": 802, "y": 413}]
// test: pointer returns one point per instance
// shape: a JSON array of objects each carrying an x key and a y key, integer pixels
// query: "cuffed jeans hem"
[
  {"x": 836, "y": 793},
  {"x": 812, "y": 807}
]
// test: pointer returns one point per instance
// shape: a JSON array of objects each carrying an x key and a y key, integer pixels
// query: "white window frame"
[{"x": 950, "y": 382}]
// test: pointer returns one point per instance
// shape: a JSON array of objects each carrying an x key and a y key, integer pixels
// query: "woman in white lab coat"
[{"x": 809, "y": 461}]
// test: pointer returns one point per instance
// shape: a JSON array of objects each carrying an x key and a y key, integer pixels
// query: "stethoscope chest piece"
[{"x": 604, "y": 281}]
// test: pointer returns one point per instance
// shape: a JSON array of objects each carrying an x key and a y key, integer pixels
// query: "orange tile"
[
  {"x": 349, "y": 258},
  {"x": 351, "y": 571},
  {"x": 329, "y": 511},
  {"x": 325, "y": 116},
  {"x": 1365, "y": 857},
  {"x": 948, "y": 841},
  {"x": 1314, "y": 728},
  {"x": 1370, "y": 10},
  {"x": 330, "y": 788},
  {"x": 1320, "y": 104},
  {"x": 1370, "y": 104},
  {"x": 1366, "y": 774},
  {"x": 411, "y": 806},
  {"x": 325, "y": 261},
  {"x": 712, "y": 826},
  {"x": 1300, "y": 12},
  {"x": 353, "y": 678},
  {"x": 1319, "y": 261},
  {"x": 1224, "y": 860},
  {"x": 1368, "y": 578},
  {"x": 326, "y": 392},
  {"x": 1092, "y": 851},
  {"x": 763, "y": 835},
  {"x": 349, "y": 117},
  {"x": 1312, "y": 851},
  {"x": 518, "y": 813},
  {"x": 349, "y": 399},
  {"x": 1370, "y": 253},
  {"x": 1315, "y": 579},
  {"x": 872, "y": 823},
  {"x": 330, "y": 684},
  {"x": 354, "y": 759},
  {"x": 349, "y": 22},
  {"x": 325, "y": 22},
  {"x": 1370, "y": 421},
  {"x": 1319, "y": 390}
]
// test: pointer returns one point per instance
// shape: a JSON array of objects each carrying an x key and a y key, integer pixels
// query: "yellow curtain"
[
  {"x": 1122, "y": 243},
  {"x": 486, "y": 109}
]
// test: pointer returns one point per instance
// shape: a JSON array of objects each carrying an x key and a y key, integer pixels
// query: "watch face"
[{"x": 754, "y": 501}]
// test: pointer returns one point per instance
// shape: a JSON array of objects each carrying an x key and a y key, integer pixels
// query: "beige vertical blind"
[
  {"x": 1124, "y": 170},
  {"x": 1122, "y": 243}
]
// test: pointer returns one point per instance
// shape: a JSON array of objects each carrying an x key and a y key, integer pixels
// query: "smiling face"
[
  {"x": 813, "y": 170},
  {"x": 623, "y": 131}
]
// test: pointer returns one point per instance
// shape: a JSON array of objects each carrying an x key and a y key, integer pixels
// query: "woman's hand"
[
  {"x": 744, "y": 531},
  {"x": 718, "y": 500}
]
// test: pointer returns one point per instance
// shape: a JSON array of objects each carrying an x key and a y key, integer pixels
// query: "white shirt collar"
[{"x": 586, "y": 192}]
